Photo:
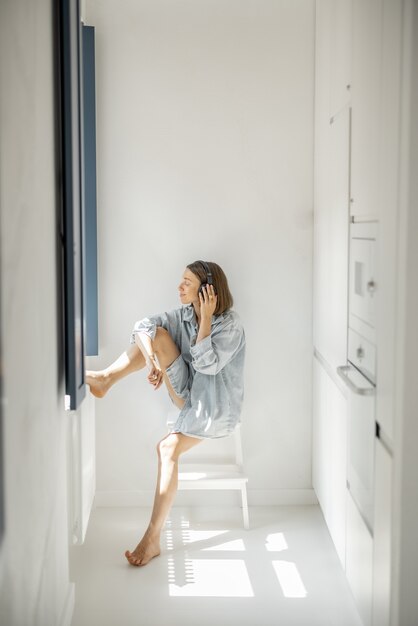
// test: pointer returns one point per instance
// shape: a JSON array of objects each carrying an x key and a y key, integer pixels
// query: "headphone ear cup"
[{"x": 205, "y": 285}]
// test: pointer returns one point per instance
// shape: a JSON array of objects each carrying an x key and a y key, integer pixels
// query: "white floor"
[{"x": 282, "y": 572}]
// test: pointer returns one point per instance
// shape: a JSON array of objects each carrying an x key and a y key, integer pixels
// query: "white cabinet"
[
  {"x": 340, "y": 93},
  {"x": 331, "y": 231},
  {"x": 330, "y": 453},
  {"x": 366, "y": 101},
  {"x": 371, "y": 46},
  {"x": 359, "y": 561},
  {"x": 331, "y": 186},
  {"x": 333, "y": 56},
  {"x": 382, "y": 535},
  {"x": 331, "y": 240}
]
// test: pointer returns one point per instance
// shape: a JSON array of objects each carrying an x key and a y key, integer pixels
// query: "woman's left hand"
[
  {"x": 155, "y": 375},
  {"x": 208, "y": 301}
]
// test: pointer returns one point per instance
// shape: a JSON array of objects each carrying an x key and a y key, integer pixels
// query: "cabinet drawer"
[{"x": 362, "y": 354}]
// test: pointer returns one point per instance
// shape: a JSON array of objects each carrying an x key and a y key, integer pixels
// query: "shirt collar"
[{"x": 188, "y": 313}]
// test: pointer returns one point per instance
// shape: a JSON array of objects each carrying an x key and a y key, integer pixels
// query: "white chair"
[{"x": 218, "y": 476}]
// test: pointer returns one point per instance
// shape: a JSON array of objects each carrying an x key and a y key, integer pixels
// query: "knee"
[{"x": 167, "y": 450}]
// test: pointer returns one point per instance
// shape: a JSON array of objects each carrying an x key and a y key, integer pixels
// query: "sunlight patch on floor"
[
  {"x": 193, "y": 536},
  {"x": 236, "y": 545},
  {"x": 276, "y": 542},
  {"x": 289, "y": 579},
  {"x": 190, "y": 577},
  {"x": 221, "y": 578}
]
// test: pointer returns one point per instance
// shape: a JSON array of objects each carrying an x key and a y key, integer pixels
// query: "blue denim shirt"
[{"x": 209, "y": 375}]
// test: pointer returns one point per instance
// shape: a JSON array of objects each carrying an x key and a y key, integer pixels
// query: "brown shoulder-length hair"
[{"x": 220, "y": 283}]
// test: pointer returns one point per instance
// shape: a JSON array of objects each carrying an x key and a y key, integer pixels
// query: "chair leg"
[{"x": 245, "y": 507}]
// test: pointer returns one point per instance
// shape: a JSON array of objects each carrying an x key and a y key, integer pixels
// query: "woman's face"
[{"x": 189, "y": 287}]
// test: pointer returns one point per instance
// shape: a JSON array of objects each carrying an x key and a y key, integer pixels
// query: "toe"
[
  {"x": 129, "y": 556},
  {"x": 133, "y": 558}
]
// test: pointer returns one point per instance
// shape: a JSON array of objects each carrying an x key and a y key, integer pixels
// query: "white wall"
[
  {"x": 205, "y": 150},
  {"x": 34, "y": 572}
]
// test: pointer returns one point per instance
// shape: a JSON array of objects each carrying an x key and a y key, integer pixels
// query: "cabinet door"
[
  {"x": 324, "y": 24},
  {"x": 330, "y": 454},
  {"x": 333, "y": 56},
  {"x": 366, "y": 93},
  {"x": 382, "y": 535},
  {"x": 331, "y": 240},
  {"x": 340, "y": 94},
  {"x": 359, "y": 561}
]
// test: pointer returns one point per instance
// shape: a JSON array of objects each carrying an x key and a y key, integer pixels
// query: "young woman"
[{"x": 197, "y": 351}]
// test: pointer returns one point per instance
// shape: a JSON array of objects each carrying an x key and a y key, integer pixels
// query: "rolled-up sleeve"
[
  {"x": 212, "y": 353},
  {"x": 146, "y": 326},
  {"x": 170, "y": 320}
]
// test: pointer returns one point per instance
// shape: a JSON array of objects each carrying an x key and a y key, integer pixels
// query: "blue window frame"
[{"x": 90, "y": 197}]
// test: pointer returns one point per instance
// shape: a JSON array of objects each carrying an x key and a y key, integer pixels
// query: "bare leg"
[
  {"x": 134, "y": 359},
  {"x": 169, "y": 451},
  {"x": 129, "y": 361},
  {"x": 167, "y": 352}
]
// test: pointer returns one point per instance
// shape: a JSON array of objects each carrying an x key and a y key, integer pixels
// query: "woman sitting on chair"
[{"x": 197, "y": 351}]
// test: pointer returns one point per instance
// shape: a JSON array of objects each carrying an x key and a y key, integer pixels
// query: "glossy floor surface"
[{"x": 284, "y": 571}]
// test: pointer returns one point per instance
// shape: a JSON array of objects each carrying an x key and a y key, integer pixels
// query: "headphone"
[{"x": 209, "y": 279}]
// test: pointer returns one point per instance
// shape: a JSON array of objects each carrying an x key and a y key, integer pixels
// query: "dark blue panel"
[
  {"x": 90, "y": 205},
  {"x": 72, "y": 187}
]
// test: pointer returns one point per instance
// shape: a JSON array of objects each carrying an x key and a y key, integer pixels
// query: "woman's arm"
[
  {"x": 208, "y": 301},
  {"x": 155, "y": 374},
  {"x": 143, "y": 335},
  {"x": 216, "y": 350}
]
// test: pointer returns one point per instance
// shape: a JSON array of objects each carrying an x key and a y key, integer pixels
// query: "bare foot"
[
  {"x": 98, "y": 382},
  {"x": 146, "y": 550}
]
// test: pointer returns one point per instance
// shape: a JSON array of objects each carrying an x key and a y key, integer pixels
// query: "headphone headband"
[{"x": 208, "y": 272}]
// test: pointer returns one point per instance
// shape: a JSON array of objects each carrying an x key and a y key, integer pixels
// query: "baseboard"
[
  {"x": 68, "y": 609},
  {"x": 123, "y": 498},
  {"x": 281, "y": 497},
  {"x": 256, "y": 497}
]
